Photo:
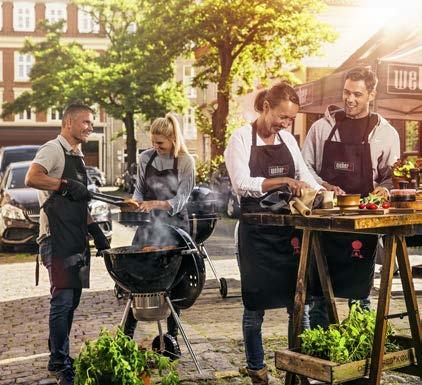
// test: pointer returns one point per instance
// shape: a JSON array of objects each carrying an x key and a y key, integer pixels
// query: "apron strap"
[{"x": 154, "y": 154}]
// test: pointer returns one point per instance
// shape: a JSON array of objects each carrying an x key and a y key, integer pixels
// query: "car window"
[
  {"x": 18, "y": 156},
  {"x": 16, "y": 178}
]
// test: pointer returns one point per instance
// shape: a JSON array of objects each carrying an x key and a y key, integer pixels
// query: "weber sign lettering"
[
  {"x": 404, "y": 79},
  {"x": 278, "y": 170},
  {"x": 344, "y": 166}
]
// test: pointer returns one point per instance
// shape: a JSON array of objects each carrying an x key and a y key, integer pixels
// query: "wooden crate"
[{"x": 334, "y": 373}]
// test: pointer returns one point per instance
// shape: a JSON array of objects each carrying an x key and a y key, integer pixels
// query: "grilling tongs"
[{"x": 112, "y": 199}]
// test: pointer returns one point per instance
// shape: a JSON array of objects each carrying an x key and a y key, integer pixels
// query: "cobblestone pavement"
[{"x": 212, "y": 324}]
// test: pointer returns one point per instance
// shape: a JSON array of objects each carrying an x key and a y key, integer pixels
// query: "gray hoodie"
[{"x": 383, "y": 139}]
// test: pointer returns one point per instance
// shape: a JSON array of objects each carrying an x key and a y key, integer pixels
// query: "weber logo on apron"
[
  {"x": 274, "y": 171},
  {"x": 344, "y": 166}
]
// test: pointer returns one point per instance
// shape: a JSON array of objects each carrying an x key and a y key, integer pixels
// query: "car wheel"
[{"x": 232, "y": 210}]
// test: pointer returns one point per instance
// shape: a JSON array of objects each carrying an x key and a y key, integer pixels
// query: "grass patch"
[{"x": 6, "y": 258}]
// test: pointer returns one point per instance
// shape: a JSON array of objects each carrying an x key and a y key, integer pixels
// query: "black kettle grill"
[
  {"x": 165, "y": 268},
  {"x": 202, "y": 209}
]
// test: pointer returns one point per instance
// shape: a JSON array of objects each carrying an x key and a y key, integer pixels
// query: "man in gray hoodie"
[{"x": 351, "y": 150}]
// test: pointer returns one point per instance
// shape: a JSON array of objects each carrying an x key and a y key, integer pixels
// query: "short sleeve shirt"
[{"x": 51, "y": 157}]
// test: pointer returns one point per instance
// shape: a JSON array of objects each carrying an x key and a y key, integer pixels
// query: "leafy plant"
[
  {"x": 351, "y": 340},
  {"x": 402, "y": 168},
  {"x": 119, "y": 360},
  {"x": 205, "y": 169}
]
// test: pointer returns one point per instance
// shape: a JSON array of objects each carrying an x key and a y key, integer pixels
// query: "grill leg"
[
  {"x": 160, "y": 333},
  {"x": 206, "y": 256},
  {"x": 185, "y": 338},
  {"x": 126, "y": 312}
]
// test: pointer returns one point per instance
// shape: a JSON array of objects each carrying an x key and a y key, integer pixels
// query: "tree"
[
  {"x": 134, "y": 75},
  {"x": 247, "y": 40}
]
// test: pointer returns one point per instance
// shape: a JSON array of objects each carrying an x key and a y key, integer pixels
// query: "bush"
[{"x": 117, "y": 360}]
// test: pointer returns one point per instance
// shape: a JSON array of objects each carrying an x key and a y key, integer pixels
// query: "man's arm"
[
  {"x": 310, "y": 152},
  {"x": 38, "y": 178}
]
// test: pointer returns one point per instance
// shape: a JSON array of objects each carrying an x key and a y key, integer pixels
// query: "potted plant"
[
  {"x": 117, "y": 360},
  {"x": 401, "y": 172}
]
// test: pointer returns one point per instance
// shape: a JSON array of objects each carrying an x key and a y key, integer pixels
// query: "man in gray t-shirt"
[{"x": 58, "y": 172}]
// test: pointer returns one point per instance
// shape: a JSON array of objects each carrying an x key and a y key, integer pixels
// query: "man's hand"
[
  {"x": 100, "y": 240},
  {"x": 75, "y": 190},
  {"x": 295, "y": 185},
  {"x": 382, "y": 192},
  {"x": 330, "y": 187}
]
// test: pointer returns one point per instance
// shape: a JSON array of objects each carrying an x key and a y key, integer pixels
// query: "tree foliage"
[
  {"x": 134, "y": 75},
  {"x": 240, "y": 42}
]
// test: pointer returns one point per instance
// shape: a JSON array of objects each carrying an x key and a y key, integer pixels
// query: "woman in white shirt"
[{"x": 261, "y": 157}]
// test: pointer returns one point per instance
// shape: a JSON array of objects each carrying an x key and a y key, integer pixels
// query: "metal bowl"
[{"x": 348, "y": 201}]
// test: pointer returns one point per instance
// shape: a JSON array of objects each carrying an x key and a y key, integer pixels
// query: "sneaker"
[
  {"x": 65, "y": 377},
  {"x": 53, "y": 369}
]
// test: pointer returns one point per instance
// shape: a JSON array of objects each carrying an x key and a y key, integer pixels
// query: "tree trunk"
[
  {"x": 129, "y": 122},
  {"x": 219, "y": 116}
]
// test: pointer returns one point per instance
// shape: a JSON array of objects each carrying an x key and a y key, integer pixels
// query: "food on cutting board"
[{"x": 373, "y": 202}]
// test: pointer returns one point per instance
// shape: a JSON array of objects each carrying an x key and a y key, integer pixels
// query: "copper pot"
[{"x": 348, "y": 201}]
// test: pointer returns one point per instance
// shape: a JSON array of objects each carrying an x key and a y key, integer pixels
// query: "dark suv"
[{"x": 13, "y": 154}]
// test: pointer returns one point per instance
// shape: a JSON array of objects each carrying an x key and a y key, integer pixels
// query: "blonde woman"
[{"x": 166, "y": 176}]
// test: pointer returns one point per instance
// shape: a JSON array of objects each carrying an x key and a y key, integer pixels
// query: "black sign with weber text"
[{"x": 404, "y": 79}]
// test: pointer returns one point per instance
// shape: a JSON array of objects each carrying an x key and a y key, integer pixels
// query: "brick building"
[{"x": 19, "y": 20}]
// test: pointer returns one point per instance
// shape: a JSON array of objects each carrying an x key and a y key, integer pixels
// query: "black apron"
[
  {"x": 67, "y": 221},
  {"x": 268, "y": 255},
  {"x": 161, "y": 185},
  {"x": 350, "y": 257}
]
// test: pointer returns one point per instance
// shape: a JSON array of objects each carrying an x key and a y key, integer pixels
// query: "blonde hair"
[{"x": 170, "y": 128}]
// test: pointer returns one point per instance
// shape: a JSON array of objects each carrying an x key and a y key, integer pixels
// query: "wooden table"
[{"x": 395, "y": 227}]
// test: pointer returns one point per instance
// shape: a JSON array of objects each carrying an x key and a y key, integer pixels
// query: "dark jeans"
[
  {"x": 131, "y": 323},
  {"x": 318, "y": 310},
  {"x": 252, "y": 334},
  {"x": 63, "y": 303}
]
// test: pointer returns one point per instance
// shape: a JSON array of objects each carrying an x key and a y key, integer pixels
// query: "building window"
[
  {"x": 86, "y": 24},
  {"x": 25, "y": 115},
  {"x": 23, "y": 65},
  {"x": 55, "y": 114},
  {"x": 411, "y": 128},
  {"x": 55, "y": 12},
  {"x": 188, "y": 75},
  {"x": 189, "y": 124},
  {"x": 24, "y": 17}
]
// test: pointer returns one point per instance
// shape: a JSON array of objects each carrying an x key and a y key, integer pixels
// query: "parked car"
[
  {"x": 11, "y": 154},
  {"x": 227, "y": 199},
  {"x": 129, "y": 178},
  {"x": 20, "y": 210},
  {"x": 96, "y": 175}
]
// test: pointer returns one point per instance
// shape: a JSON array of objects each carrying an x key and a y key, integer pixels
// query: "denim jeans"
[
  {"x": 318, "y": 310},
  {"x": 252, "y": 334},
  {"x": 63, "y": 303}
]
